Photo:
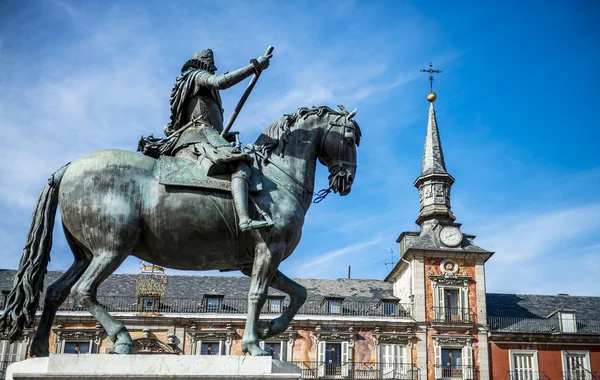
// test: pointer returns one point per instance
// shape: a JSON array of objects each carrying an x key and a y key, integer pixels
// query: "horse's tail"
[{"x": 22, "y": 301}]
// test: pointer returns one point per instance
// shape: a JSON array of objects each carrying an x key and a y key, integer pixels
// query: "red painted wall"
[{"x": 549, "y": 357}]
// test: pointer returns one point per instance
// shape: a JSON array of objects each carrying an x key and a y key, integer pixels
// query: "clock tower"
[{"x": 441, "y": 272}]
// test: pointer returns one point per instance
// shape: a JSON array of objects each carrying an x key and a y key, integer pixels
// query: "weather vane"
[{"x": 431, "y": 71}]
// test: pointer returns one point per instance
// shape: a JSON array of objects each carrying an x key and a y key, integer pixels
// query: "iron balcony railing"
[
  {"x": 357, "y": 370},
  {"x": 526, "y": 374},
  {"x": 452, "y": 315},
  {"x": 465, "y": 372},
  {"x": 543, "y": 325},
  {"x": 582, "y": 374},
  {"x": 238, "y": 306},
  {"x": 3, "y": 366}
]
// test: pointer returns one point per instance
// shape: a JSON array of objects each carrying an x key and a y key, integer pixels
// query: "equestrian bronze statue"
[{"x": 185, "y": 204}]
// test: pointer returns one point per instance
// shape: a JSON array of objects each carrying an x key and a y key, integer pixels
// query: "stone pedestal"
[{"x": 117, "y": 367}]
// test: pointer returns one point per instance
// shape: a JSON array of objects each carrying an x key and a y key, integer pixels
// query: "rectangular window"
[
  {"x": 392, "y": 361},
  {"x": 9, "y": 353},
  {"x": 389, "y": 308},
  {"x": 274, "y": 350},
  {"x": 333, "y": 359},
  {"x": 567, "y": 322},
  {"x": 210, "y": 348},
  {"x": 334, "y": 306},
  {"x": 524, "y": 365},
  {"x": 148, "y": 304},
  {"x": 452, "y": 363},
  {"x": 213, "y": 304},
  {"x": 274, "y": 305},
  {"x": 576, "y": 365},
  {"x": 452, "y": 310},
  {"x": 77, "y": 348}
]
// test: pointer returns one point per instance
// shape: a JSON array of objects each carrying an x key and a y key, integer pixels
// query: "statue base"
[{"x": 117, "y": 367}]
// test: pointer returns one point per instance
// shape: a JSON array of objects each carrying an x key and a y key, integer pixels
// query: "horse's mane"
[{"x": 280, "y": 128}]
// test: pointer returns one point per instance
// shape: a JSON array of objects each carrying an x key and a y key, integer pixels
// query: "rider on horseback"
[{"x": 195, "y": 98}]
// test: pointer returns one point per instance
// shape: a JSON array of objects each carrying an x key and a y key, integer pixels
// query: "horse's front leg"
[
  {"x": 297, "y": 295},
  {"x": 266, "y": 261}
]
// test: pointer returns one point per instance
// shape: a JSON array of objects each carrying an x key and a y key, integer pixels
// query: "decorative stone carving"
[
  {"x": 393, "y": 337},
  {"x": 450, "y": 279},
  {"x": 151, "y": 345},
  {"x": 226, "y": 335},
  {"x": 445, "y": 340},
  {"x": 449, "y": 267},
  {"x": 92, "y": 334},
  {"x": 336, "y": 336}
]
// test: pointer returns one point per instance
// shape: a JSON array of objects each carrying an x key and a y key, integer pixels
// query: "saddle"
[{"x": 187, "y": 172}]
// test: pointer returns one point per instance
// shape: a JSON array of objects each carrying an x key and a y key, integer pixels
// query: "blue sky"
[{"x": 515, "y": 109}]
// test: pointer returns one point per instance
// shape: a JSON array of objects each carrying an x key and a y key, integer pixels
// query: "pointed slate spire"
[
  {"x": 434, "y": 183},
  {"x": 433, "y": 156}
]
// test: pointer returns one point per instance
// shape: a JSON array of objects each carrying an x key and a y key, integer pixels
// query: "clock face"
[{"x": 451, "y": 236}]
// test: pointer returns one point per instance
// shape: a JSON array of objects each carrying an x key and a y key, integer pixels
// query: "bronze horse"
[{"x": 112, "y": 206}]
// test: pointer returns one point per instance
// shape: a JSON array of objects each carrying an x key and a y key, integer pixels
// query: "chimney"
[{"x": 348, "y": 272}]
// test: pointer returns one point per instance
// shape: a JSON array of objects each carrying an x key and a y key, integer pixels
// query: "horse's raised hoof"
[
  {"x": 39, "y": 350},
  {"x": 253, "y": 349},
  {"x": 124, "y": 344},
  {"x": 267, "y": 329}
]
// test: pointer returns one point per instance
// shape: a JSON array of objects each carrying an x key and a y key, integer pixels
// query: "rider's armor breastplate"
[{"x": 203, "y": 107}]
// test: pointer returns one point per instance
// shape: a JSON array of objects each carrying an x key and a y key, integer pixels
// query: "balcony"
[
  {"x": 542, "y": 326},
  {"x": 117, "y": 304},
  {"x": 526, "y": 374},
  {"x": 582, "y": 374},
  {"x": 357, "y": 370},
  {"x": 465, "y": 372},
  {"x": 452, "y": 315}
]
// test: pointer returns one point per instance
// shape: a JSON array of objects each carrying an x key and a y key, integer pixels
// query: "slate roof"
[
  {"x": 232, "y": 287},
  {"x": 540, "y": 306}
]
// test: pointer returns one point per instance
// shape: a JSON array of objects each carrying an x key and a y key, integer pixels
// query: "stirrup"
[{"x": 253, "y": 225}]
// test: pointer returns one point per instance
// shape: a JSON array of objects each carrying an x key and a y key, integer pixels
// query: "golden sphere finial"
[{"x": 431, "y": 97}]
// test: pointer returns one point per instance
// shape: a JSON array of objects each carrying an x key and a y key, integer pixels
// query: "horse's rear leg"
[
  {"x": 55, "y": 296},
  {"x": 103, "y": 265}
]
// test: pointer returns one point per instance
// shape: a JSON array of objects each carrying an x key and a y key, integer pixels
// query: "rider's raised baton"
[{"x": 238, "y": 108}]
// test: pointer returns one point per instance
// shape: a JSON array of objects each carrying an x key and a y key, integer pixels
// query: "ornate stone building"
[{"x": 430, "y": 318}]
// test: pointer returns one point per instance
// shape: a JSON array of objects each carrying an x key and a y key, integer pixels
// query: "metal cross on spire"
[{"x": 431, "y": 71}]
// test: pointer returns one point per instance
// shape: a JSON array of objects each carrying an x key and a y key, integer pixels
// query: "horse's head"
[{"x": 338, "y": 150}]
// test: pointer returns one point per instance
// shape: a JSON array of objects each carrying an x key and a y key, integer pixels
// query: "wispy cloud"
[{"x": 320, "y": 264}]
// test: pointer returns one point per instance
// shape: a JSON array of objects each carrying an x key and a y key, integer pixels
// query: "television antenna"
[{"x": 390, "y": 264}]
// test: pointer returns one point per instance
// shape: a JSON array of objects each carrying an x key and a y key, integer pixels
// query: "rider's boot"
[{"x": 239, "y": 190}]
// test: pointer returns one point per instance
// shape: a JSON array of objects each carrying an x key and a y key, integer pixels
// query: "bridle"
[{"x": 337, "y": 162}]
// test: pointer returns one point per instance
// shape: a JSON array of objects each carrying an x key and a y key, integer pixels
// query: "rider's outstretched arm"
[{"x": 223, "y": 81}]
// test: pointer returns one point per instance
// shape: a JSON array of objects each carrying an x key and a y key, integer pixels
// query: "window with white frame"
[
  {"x": 78, "y": 341},
  {"x": 10, "y": 353},
  {"x": 393, "y": 361},
  {"x": 210, "y": 348},
  {"x": 334, "y": 352},
  {"x": 523, "y": 364},
  {"x": 274, "y": 305},
  {"x": 280, "y": 347},
  {"x": 453, "y": 358},
  {"x": 568, "y": 323},
  {"x": 451, "y": 304},
  {"x": 334, "y": 305},
  {"x": 576, "y": 365},
  {"x": 213, "y": 303},
  {"x": 211, "y": 341}
]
